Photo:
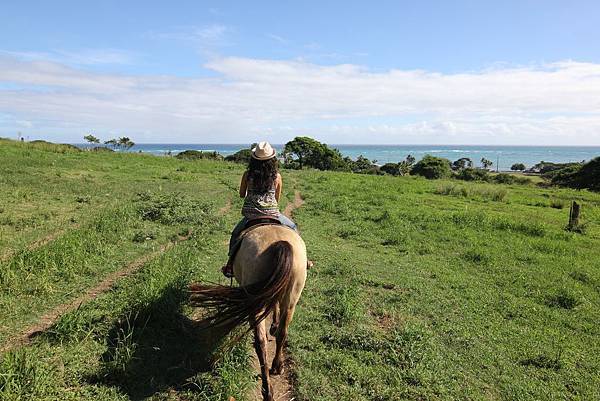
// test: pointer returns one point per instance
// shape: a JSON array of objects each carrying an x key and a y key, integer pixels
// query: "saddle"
[
  {"x": 251, "y": 225},
  {"x": 263, "y": 221}
]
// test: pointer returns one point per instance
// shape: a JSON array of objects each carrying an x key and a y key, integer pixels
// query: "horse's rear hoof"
[{"x": 276, "y": 370}]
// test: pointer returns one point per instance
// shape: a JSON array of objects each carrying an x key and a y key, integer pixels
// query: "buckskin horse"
[{"x": 270, "y": 267}]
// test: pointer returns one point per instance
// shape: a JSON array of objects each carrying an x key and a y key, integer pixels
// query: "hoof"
[{"x": 276, "y": 369}]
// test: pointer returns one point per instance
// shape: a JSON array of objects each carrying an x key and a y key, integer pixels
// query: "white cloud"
[
  {"x": 556, "y": 103},
  {"x": 278, "y": 38},
  {"x": 78, "y": 58},
  {"x": 203, "y": 35}
]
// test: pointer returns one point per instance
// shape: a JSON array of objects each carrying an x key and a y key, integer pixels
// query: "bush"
[
  {"x": 504, "y": 178},
  {"x": 241, "y": 156},
  {"x": 101, "y": 149},
  {"x": 391, "y": 168},
  {"x": 197, "y": 155},
  {"x": 585, "y": 176},
  {"x": 518, "y": 167},
  {"x": 432, "y": 167},
  {"x": 473, "y": 174}
]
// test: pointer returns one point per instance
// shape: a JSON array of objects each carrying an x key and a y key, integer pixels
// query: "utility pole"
[{"x": 497, "y": 164}]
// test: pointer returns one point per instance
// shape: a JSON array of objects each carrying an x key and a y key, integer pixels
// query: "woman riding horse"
[
  {"x": 261, "y": 189},
  {"x": 269, "y": 263}
]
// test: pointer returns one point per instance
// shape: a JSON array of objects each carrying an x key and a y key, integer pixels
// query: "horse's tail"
[{"x": 234, "y": 305}]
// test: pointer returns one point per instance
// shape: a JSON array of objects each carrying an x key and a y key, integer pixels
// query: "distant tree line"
[
  {"x": 120, "y": 143},
  {"x": 305, "y": 152}
]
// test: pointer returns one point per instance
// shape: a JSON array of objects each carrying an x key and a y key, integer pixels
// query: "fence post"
[{"x": 574, "y": 215}]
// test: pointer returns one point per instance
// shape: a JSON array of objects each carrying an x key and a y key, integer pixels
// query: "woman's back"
[{"x": 260, "y": 202}]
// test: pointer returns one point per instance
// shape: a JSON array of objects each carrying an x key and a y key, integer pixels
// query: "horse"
[{"x": 270, "y": 267}]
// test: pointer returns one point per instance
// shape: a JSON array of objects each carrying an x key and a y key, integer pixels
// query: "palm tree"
[
  {"x": 125, "y": 142},
  {"x": 91, "y": 139},
  {"x": 112, "y": 142},
  {"x": 486, "y": 163}
]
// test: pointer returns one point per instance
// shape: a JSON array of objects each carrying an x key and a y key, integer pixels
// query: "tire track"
[{"x": 49, "y": 318}]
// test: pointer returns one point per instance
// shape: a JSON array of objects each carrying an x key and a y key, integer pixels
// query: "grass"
[{"x": 421, "y": 290}]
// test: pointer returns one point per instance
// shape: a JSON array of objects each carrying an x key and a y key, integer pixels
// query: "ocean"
[{"x": 501, "y": 156}]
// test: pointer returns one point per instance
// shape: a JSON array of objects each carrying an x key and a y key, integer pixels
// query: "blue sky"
[{"x": 513, "y": 72}]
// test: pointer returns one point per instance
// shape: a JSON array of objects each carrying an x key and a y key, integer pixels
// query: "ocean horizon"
[{"x": 503, "y": 156}]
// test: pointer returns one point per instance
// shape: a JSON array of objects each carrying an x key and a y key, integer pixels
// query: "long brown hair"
[{"x": 263, "y": 173}]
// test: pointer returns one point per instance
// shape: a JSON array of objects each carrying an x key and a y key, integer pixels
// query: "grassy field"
[{"x": 421, "y": 289}]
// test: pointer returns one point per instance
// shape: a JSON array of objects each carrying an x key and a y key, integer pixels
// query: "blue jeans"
[{"x": 233, "y": 241}]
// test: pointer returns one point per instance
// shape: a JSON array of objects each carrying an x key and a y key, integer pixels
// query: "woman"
[{"x": 261, "y": 189}]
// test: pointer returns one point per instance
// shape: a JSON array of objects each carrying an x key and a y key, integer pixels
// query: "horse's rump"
[{"x": 252, "y": 301}]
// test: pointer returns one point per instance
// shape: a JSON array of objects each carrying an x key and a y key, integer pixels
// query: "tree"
[
  {"x": 432, "y": 167},
  {"x": 486, "y": 163},
  {"x": 462, "y": 163},
  {"x": 410, "y": 160},
  {"x": 112, "y": 143},
  {"x": 303, "y": 152},
  {"x": 91, "y": 139},
  {"x": 517, "y": 167},
  {"x": 361, "y": 164},
  {"x": 125, "y": 143}
]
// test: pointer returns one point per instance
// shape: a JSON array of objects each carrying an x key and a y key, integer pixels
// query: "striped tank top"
[{"x": 258, "y": 204}]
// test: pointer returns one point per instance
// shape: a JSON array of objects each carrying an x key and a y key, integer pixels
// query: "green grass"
[
  {"x": 417, "y": 295},
  {"x": 421, "y": 289}
]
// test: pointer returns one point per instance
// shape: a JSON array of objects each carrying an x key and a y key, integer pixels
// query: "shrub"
[
  {"x": 101, "y": 149},
  {"x": 473, "y": 174},
  {"x": 504, "y": 178},
  {"x": 462, "y": 163},
  {"x": 518, "y": 167},
  {"x": 241, "y": 156},
  {"x": 197, "y": 155},
  {"x": 391, "y": 168},
  {"x": 432, "y": 167},
  {"x": 586, "y": 176}
]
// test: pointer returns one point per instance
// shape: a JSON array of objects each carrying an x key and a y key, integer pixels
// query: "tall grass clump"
[
  {"x": 24, "y": 375},
  {"x": 483, "y": 192},
  {"x": 344, "y": 306}
]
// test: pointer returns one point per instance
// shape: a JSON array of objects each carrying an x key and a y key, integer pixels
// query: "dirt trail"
[
  {"x": 282, "y": 384},
  {"x": 225, "y": 209},
  {"x": 39, "y": 242},
  {"x": 298, "y": 202},
  {"x": 52, "y": 316}
]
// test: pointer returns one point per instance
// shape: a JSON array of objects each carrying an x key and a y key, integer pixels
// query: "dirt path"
[
  {"x": 39, "y": 242},
  {"x": 298, "y": 201},
  {"x": 225, "y": 209},
  {"x": 282, "y": 384},
  {"x": 52, "y": 316}
]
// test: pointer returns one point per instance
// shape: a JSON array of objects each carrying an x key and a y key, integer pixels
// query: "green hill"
[{"x": 421, "y": 290}]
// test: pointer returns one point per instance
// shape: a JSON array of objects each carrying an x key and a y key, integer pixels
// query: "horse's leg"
[
  {"x": 275, "y": 320},
  {"x": 282, "y": 331},
  {"x": 260, "y": 346}
]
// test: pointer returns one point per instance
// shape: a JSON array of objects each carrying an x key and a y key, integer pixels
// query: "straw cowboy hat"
[{"x": 263, "y": 151}]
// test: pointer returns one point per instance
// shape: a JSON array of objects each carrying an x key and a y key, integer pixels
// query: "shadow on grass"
[{"x": 157, "y": 347}]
